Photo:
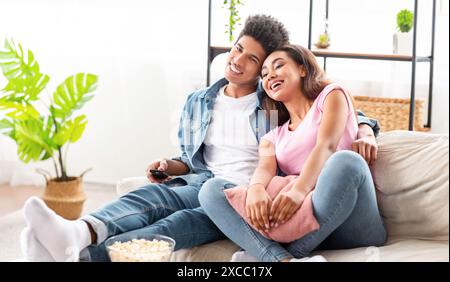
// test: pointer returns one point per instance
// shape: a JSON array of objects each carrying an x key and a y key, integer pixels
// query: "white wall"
[
  {"x": 148, "y": 55},
  {"x": 151, "y": 54}
]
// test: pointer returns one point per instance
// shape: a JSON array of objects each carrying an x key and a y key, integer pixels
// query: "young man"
[{"x": 209, "y": 149}]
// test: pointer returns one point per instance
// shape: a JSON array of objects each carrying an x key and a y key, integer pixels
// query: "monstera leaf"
[
  {"x": 73, "y": 93},
  {"x": 71, "y": 130},
  {"x": 18, "y": 110},
  {"x": 27, "y": 88},
  {"x": 25, "y": 81},
  {"x": 32, "y": 142},
  {"x": 7, "y": 128}
]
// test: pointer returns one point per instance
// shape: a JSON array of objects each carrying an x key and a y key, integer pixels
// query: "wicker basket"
[
  {"x": 391, "y": 113},
  {"x": 65, "y": 198}
]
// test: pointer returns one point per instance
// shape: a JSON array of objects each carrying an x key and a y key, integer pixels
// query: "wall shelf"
[{"x": 213, "y": 51}]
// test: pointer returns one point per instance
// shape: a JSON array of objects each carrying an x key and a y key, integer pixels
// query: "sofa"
[{"x": 411, "y": 177}]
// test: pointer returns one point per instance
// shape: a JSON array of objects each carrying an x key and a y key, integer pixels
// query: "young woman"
[{"x": 319, "y": 120}]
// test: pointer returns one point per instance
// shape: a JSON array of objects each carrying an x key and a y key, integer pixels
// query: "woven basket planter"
[
  {"x": 65, "y": 198},
  {"x": 392, "y": 113}
]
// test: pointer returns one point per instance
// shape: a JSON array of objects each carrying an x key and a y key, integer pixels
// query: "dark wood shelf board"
[{"x": 216, "y": 50}]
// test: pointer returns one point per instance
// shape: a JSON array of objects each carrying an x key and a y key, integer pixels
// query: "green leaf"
[
  {"x": 405, "y": 20},
  {"x": 7, "y": 128},
  {"x": 71, "y": 130},
  {"x": 31, "y": 144},
  {"x": 13, "y": 62},
  {"x": 24, "y": 78},
  {"x": 27, "y": 89},
  {"x": 4, "y": 123},
  {"x": 72, "y": 94},
  {"x": 18, "y": 110},
  {"x": 48, "y": 132},
  {"x": 233, "y": 18}
]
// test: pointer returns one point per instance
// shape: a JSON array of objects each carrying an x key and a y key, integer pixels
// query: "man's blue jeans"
[
  {"x": 344, "y": 203},
  {"x": 165, "y": 209}
]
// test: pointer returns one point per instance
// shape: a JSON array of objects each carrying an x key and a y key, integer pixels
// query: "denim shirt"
[{"x": 195, "y": 120}]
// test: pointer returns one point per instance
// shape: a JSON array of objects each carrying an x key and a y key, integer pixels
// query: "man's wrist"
[
  {"x": 176, "y": 167},
  {"x": 365, "y": 130}
]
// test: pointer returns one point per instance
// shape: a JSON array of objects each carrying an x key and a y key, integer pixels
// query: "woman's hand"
[
  {"x": 257, "y": 206},
  {"x": 285, "y": 205},
  {"x": 366, "y": 144}
]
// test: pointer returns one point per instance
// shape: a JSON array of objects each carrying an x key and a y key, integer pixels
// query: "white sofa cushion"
[{"x": 412, "y": 180}]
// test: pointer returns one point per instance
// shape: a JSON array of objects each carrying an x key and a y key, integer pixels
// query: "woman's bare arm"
[{"x": 331, "y": 129}]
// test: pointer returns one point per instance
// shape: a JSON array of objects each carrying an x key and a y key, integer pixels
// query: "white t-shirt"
[{"x": 231, "y": 148}]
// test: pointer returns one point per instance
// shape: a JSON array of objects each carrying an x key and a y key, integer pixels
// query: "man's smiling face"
[{"x": 245, "y": 61}]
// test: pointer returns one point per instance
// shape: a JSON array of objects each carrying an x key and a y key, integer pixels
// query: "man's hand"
[
  {"x": 257, "y": 207},
  {"x": 367, "y": 147},
  {"x": 285, "y": 205},
  {"x": 366, "y": 143},
  {"x": 158, "y": 165}
]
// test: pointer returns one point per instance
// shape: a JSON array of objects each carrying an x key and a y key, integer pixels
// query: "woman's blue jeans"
[{"x": 344, "y": 204}]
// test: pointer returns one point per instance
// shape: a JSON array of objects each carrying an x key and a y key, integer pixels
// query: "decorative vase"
[
  {"x": 403, "y": 42},
  {"x": 65, "y": 198}
]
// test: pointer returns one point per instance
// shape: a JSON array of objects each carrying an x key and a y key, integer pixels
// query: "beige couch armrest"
[{"x": 130, "y": 184}]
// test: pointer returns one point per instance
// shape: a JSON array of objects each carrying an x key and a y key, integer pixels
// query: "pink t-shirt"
[{"x": 292, "y": 148}]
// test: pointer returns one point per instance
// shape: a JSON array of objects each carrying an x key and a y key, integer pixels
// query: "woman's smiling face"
[{"x": 281, "y": 76}]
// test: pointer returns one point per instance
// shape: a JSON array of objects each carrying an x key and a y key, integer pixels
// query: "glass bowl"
[{"x": 140, "y": 248}]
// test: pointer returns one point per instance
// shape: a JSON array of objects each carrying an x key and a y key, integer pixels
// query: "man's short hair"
[{"x": 267, "y": 30}]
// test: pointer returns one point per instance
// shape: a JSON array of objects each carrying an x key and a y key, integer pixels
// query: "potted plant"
[
  {"x": 324, "y": 41},
  {"x": 44, "y": 129},
  {"x": 324, "y": 38},
  {"x": 403, "y": 36}
]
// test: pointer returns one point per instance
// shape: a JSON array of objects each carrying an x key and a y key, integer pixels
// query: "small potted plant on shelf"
[
  {"x": 324, "y": 41},
  {"x": 403, "y": 36},
  {"x": 324, "y": 38},
  {"x": 44, "y": 128}
]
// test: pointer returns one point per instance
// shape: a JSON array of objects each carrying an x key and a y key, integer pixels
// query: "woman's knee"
[
  {"x": 211, "y": 191},
  {"x": 348, "y": 159},
  {"x": 349, "y": 163},
  {"x": 343, "y": 170}
]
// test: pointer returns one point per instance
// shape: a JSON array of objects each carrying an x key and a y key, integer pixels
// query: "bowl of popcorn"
[{"x": 143, "y": 248}]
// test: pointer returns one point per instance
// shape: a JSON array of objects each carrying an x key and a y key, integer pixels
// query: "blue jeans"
[
  {"x": 165, "y": 209},
  {"x": 344, "y": 204}
]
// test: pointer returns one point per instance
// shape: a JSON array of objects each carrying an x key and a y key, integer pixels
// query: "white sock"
[
  {"x": 243, "y": 256},
  {"x": 308, "y": 259},
  {"x": 64, "y": 239},
  {"x": 32, "y": 249}
]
